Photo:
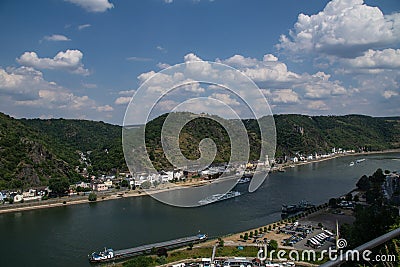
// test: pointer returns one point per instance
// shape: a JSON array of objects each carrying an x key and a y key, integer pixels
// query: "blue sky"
[{"x": 85, "y": 59}]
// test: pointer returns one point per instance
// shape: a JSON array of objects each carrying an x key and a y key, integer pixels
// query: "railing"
[{"x": 369, "y": 245}]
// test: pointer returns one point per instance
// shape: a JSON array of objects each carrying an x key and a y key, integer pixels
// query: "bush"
[{"x": 92, "y": 197}]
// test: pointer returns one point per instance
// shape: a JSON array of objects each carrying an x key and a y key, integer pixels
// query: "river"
[{"x": 64, "y": 236}]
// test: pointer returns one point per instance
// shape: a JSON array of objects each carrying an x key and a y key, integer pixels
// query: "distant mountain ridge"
[{"x": 32, "y": 151}]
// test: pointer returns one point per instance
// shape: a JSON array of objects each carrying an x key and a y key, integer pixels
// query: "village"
[{"x": 126, "y": 181}]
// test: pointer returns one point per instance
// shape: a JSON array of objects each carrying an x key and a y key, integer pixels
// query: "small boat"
[
  {"x": 351, "y": 163},
  {"x": 360, "y": 160},
  {"x": 108, "y": 253},
  {"x": 219, "y": 197}
]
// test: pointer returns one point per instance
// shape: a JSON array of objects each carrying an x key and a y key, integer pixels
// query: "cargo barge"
[{"x": 109, "y": 254}]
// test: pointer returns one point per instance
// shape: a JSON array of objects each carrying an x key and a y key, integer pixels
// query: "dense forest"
[{"x": 32, "y": 151}]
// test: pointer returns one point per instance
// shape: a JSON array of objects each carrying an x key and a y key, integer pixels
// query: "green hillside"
[
  {"x": 32, "y": 151},
  {"x": 26, "y": 159}
]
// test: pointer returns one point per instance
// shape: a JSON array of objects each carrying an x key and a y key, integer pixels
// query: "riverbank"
[
  {"x": 74, "y": 200},
  {"x": 320, "y": 219},
  {"x": 289, "y": 165}
]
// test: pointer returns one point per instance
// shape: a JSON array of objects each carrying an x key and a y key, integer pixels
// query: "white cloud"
[
  {"x": 160, "y": 48},
  {"x": 318, "y": 85},
  {"x": 26, "y": 87},
  {"x": 127, "y": 92},
  {"x": 389, "y": 94},
  {"x": 56, "y": 37},
  {"x": 377, "y": 59},
  {"x": 282, "y": 96},
  {"x": 163, "y": 65},
  {"x": 93, "y": 5},
  {"x": 70, "y": 60},
  {"x": 84, "y": 26},
  {"x": 123, "y": 100},
  {"x": 317, "y": 105},
  {"x": 139, "y": 59},
  {"x": 225, "y": 98},
  {"x": 105, "y": 108},
  {"x": 191, "y": 57},
  {"x": 168, "y": 1},
  {"x": 345, "y": 28}
]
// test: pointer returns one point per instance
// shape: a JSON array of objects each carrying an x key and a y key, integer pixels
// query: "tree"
[
  {"x": 332, "y": 203},
  {"x": 124, "y": 183},
  {"x": 92, "y": 196},
  {"x": 59, "y": 186},
  {"x": 356, "y": 198},
  {"x": 246, "y": 236},
  {"x": 273, "y": 245},
  {"x": 241, "y": 236},
  {"x": 190, "y": 246},
  {"x": 220, "y": 242},
  {"x": 363, "y": 183},
  {"x": 146, "y": 185},
  {"x": 349, "y": 197}
]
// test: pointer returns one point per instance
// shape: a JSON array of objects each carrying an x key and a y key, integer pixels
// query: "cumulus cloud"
[
  {"x": 26, "y": 87},
  {"x": 376, "y": 59},
  {"x": 122, "y": 100},
  {"x": 191, "y": 57},
  {"x": 282, "y": 96},
  {"x": 345, "y": 28},
  {"x": 163, "y": 65},
  {"x": 96, "y": 6},
  {"x": 56, "y": 37},
  {"x": 70, "y": 60}
]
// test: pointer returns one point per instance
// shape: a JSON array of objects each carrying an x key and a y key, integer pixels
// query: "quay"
[{"x": 110, "y": 254}]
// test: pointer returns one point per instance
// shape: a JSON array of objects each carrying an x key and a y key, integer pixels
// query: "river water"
[{"x": 64, "y": 236}]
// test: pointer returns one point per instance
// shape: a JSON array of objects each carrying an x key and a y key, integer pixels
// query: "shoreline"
[{"x": 138, "y": 193}]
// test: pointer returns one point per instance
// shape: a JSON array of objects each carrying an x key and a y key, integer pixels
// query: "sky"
[{"x": 85, "y": 59}]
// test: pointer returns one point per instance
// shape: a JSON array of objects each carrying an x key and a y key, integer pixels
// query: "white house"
[{"x": 99, "y": 187}]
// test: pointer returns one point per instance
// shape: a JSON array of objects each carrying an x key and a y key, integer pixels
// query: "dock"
[{"x": 146, "y": 249}]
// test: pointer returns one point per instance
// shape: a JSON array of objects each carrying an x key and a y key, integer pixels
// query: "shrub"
[{"x": 92, "y": 197}]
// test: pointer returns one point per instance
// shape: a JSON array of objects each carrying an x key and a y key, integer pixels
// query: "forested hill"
[{"x": 32, "y": 151}]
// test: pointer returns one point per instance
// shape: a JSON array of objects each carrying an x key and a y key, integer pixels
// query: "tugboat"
[{"x": 107, "y": 254}]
